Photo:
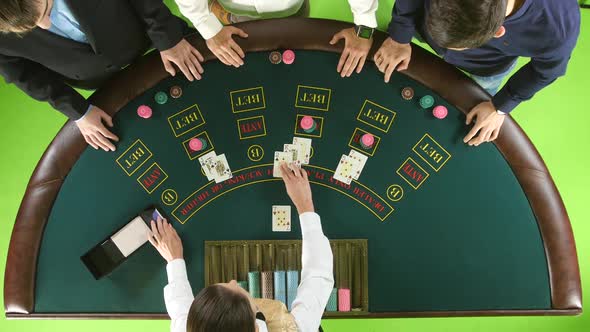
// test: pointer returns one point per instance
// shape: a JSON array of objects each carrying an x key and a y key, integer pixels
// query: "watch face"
[{"x": 365, "y": 32}]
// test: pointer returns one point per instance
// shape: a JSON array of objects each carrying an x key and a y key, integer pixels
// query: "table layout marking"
[
  {"x": 134, "y": 157},
  {"x": 186, "y": 120},
  {"x": 154, "y": 175},
  {"x": 251, "y": 127},
  {"x": 376, "y": 116},
  {"x": 169, "y": 197},
  {"x": 412, "y": 173},
  {"x": 246, "y": 100},
  {"x": 263, "y": 173},
  {"x": 312, "y": 97},
  {"x": 255, "y": 152},
  {"x": 431, "y": 152}
]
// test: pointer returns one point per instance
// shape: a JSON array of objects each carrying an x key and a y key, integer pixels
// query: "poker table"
[{"x": 452, "y": 230}]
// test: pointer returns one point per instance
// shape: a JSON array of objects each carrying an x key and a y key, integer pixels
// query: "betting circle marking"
[
  {"x": 395, "y": 192},
  {"x": 311, "y": 152},
  {"x": 169, "y": 197},
  {"x": 255, "y": 152}
]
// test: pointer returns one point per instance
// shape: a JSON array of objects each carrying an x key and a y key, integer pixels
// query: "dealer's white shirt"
[
  {"x": 197, "y": 11},
  {"x": 317, "y": 281}
]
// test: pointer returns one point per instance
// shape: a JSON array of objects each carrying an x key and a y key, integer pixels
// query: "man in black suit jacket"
[{"x": 90, "y": 41}]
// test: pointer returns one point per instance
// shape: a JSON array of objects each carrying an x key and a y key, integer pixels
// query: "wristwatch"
[{"x": 364, "y": 31}]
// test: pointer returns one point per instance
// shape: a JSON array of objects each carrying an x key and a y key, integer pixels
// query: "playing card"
[
  {"x": 280, "y": 157},
  {"x": 202, "y": 160},
  {"x": 281, "y": 218},
  {"x": 294, "y": 150},
  {"x": 344, "y": 171},
  {"x": 361, "y": 159},
  {"x": 222, "y": 171},
  {"x": 304, "y": 149}
]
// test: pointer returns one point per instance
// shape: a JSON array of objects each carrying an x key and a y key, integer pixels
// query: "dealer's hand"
[
  {"x": 392, "y": 56},
  {"x": 354, "y": 53},
  {"x": 165, "y": 239},
  {"x": 95, "y": 133},
  {"x": 298, "y": 188},
  {"x": 225, "y": 48},
  {"x": 186, "y": 57},
  {"x": 487, "y": 122}
]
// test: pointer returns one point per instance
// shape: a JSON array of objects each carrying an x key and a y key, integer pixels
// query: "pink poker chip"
[
  {"x": 440, "y": 112},
  {"x": 288, "y": 57},
  {"x": 343, "y": 299},
  {"x": 367, "y": 139},
  {"x": 144, "y": 111},
  {"x": 195, "y": 144},
  {"x": 306, "y": 122}
]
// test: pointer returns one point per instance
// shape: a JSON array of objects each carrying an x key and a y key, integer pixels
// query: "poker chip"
[
  {"x": 367, "y": 141},
  {"x": 197, "y": 144},
  {"x": 175, "y": 92},
  {"x": 440, "y": 112},
  {"x": 333, "y": 301},
  {"x": 308, "y": 124},
  {"x": 144, "y": 111},
  {"x": 275, "y": 57},
  {"x": 161, "y": 97},
  {"x": 254, "y": 284},
  {"x": 407, "y": 93},
  {"x": 343, "y": 299},
  {"x": 288, "y": 57},
  {"x": 243, "y": 284},
  {"x": 426, "y": 101}
]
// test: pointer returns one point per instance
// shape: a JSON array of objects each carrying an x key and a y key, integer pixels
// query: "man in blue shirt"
[
  {"x": 48, "y": 46},
  {"x": 485, "y": 38}
]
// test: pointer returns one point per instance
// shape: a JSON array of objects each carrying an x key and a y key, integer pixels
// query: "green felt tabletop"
[{"x": 462, "y": 240}]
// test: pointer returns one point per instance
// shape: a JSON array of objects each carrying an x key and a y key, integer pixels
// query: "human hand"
[
  {"x": 354, "y": 53},
  {"x": 391, "y": 56},
  {"x": 165, "y": 239},
  {"x": 94, "y": 131},
  {"x": 298, "y": 188},
  {"x": 186, "y": 57},
  {"x": 488, "y": 123},
  {"x": 225, "y": 48}
]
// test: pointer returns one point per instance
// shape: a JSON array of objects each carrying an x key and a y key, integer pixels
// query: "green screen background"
[{"x": 556, "y": 120}]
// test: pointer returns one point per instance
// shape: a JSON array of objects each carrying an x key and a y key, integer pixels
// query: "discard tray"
[{"x": 273, "y": 268}]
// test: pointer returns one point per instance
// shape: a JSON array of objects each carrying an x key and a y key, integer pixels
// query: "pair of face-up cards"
[
  {"x": 350, "y": 167},
  {"x": 215, "y": 167},
  {"x": 281, "y": 218},
  {"x": 297, "y": 153}
]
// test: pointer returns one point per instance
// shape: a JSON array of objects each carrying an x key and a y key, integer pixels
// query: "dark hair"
[
  {"x": 464, "y": 23},
  {"x": 18, "y": 16},
  {"x": 219, "y": 309}
]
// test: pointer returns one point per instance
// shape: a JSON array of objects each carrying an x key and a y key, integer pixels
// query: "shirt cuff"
[
  {"x": 368, "y": 20},
  {"x": 504, "y": 102},
  {"x": 176, "y": 270},
  {"x": 310, "y": 223},
  {"x": 86, "y": 113},
  {"x": 209, "y": 27},
  {"x": 401, "y": 34}
]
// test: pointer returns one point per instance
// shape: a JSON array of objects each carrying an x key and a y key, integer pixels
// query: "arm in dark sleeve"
[
  {"x": 43, "y": 84},
  {"x": 404, "y": 19},
  {"x": 531, "y": 78},
  {"x": 163, "y": 28}
]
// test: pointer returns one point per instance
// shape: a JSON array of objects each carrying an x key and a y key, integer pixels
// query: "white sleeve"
[
  {"x": 178, "y": 295},
  {"x": 363, "y": 12},
  {"x": 317, "y": 275},
  {"x": 197, "y": 11}
]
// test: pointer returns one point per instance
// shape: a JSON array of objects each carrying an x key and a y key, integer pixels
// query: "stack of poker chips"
[
  {"x": 308, "y": 124},
  {"x": 292, "y": 284},
  {"x": 254, "y": 284},
  {"x": 333, "y": 301},
  {"x": 367, "y": 141},
  {"x": 267, "y": 284},
  {"x": 280, "y": 279},
  {"x": 197, "y": 144}
]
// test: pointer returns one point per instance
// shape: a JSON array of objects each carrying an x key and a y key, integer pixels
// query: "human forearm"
[{"x": 197, "y": 11}]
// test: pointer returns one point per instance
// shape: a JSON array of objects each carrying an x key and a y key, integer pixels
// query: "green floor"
[{"x": 556, "y": 120}]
